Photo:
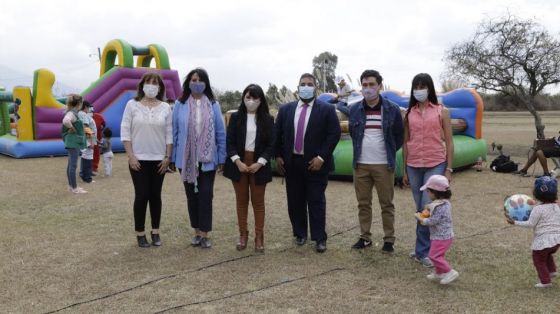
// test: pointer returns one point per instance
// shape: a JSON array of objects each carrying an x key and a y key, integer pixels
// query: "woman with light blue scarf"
[{"x": 199, "y": 149}]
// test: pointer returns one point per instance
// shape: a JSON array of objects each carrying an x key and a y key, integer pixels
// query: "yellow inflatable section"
[
  {"x": 25, "y": 123},
  {"x": 42, "y": 90}
]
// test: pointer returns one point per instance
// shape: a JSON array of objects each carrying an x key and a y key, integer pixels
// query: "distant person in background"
[
  {"x": 343, "y": 91},
  {"x": 99, "y": 125},
  {"x": 90, "y": 129},
  {"x": 107, "y": 151},
  {"x": 147, "y": 139},
  {"x": 74, "y": 140},
  {"x": 541, "y": 156},
  {"x": 16, "y": 116}
]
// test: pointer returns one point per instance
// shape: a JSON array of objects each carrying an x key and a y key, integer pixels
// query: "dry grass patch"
[{"x": 61, "y": 249}]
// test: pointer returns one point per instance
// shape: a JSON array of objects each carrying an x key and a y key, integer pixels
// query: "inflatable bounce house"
[
  {"x": 466, "y": 109},
  {"x": 37, "y": 128}
]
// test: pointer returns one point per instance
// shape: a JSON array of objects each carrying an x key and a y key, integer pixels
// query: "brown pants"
[
  {"x": 365, "y": 178},
  {"x": 243, "y": 189}
]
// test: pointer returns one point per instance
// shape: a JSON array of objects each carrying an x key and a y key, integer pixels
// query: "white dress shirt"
[
  {"x": 299, "y": 108},
  {"x": 250, "y": 139}
]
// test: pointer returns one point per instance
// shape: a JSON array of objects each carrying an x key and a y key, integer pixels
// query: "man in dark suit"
[{"x": 307, "y": 132}]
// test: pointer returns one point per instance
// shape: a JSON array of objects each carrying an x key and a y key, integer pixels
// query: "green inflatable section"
[{"x": 467, "y": 150}]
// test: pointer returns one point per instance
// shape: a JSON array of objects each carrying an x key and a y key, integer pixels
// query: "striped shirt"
[{"x": 373, "y": 143}]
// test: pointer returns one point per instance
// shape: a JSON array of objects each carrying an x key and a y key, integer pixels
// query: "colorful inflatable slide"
[{"x": 40, "y": 113}]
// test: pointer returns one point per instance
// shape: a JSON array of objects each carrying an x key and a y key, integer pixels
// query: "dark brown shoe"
[
  {"x": 242, "y": 244},
  {"x": 259, "y": 243}
]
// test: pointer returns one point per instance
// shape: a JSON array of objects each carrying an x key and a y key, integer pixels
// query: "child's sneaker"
[
  {"x": 543, "y": 285},
  {"x": 449, "y": 277},
  {"x": 554, "y": 274},
  {"x": 433, "y": 276}
]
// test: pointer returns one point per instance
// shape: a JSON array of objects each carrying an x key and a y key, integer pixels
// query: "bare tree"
[
  {"x": 324, "y": 67},
  {"x": 511, "y": 56}
]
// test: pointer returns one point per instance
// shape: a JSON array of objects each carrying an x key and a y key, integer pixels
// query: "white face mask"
[
  {"x": 150, "y": 90},
  {"x": 252, "y": 104},
  {"x": 420, "y": 94}
]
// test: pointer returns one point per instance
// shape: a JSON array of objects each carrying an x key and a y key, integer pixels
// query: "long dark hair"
[
  {"x": 262, "y": 114},
  {"x": 421, "y": 80},
  {"x": 203, "y": 75},
  {"x": 150, "y": 76}
]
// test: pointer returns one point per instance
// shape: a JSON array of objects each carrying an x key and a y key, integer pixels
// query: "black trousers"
[
  {"x": 306, "y": 196},
  {"x": 147, "y": 190},
  {"x": 199, "y": 200}
]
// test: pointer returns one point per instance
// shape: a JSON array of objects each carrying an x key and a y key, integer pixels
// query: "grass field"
[{"x": 77, "y": 253}]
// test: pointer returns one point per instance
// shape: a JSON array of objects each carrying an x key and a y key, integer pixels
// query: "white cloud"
[{"x": 242, "y": 42}]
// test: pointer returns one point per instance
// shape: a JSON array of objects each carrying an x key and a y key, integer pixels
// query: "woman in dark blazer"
[{"x": 249, "y": 140}]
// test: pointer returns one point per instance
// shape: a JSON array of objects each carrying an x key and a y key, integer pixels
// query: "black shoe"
[
  {"x": 388, "y": 248},
  {"x": 321, "y": 246},
  {"x": 195, "y": 241},
  {"x": 142, "y": 241},
  {"x": 300, "y": 241},
  {"x": 156, "y": 241},
  {"x": 205, "y": 243},
  {"x": 361, "y": 244}
]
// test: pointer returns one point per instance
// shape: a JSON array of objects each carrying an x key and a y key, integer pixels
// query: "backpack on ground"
[{"x": 503, "y": 164}]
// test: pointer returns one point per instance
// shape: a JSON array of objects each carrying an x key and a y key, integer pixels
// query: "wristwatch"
[{"x": 449, "y": 169}]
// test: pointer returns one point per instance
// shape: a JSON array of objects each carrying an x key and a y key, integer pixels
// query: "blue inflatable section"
[
  {"x": 10, "y": 146},
  {"x": 113, "y": 114},
  {"x": 461, "y": 104},
  {"x": 18, "y": 149}
]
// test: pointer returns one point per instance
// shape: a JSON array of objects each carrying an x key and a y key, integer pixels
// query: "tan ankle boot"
[{"x": 242, "y": 244}]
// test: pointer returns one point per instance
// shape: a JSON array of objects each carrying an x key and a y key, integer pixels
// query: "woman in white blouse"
[
  {"x": 249, "y": 147},
  {"x": 146, "y": 136}
]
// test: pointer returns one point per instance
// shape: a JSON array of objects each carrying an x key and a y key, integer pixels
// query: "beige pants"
[{"x": 365, "y": 178}]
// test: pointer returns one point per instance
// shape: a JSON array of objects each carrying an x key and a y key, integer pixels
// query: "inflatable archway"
[{"x": 38, "y": 129}]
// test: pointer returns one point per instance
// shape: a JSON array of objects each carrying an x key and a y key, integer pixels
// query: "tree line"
[{"x": 510, "y": 61}]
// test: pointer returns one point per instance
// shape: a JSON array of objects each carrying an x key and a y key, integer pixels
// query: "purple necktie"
[{"x": 300, "y": 129}]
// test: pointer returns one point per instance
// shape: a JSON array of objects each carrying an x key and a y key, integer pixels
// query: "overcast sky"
[{"x": 241, "y": 42}]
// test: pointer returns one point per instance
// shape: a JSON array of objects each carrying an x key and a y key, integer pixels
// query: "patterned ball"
[{"x": 519, "y": 206}]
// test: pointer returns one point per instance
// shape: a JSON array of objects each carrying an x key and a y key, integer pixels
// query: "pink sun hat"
[{"x": 436, "y": 182}]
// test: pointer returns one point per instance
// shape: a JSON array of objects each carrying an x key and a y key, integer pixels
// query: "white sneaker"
[
  {"x": 79, "y": 190},
  {"x": 554, "y": 274},
  {"x": 449, "y": 277},
  {"x": 543, "y": 285},
  {"x": 434, "y": 276}
]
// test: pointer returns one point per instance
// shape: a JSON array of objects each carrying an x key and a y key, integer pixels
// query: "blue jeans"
[
  {"x": 72, "y": 165},
  {"x": 418, "y": 177},
  {"x": 343, "y": 107},
  {"x": 86, "y": 170}
]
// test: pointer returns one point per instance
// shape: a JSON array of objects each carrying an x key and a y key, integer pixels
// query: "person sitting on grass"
[
  {"x": 545, "y": 221},
  {"x": 541, "y": 156}
]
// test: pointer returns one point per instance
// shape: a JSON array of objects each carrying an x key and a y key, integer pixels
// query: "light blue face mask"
[
  {"x": 420, "y": 94},
  {"x": 197, "y": 87},
  {"x": 306, "y": 92}
]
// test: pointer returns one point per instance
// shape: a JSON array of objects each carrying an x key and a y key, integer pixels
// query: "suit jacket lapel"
[
  {"x": 290, "y": 119},
  {"x": 314, "y": 116}
]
